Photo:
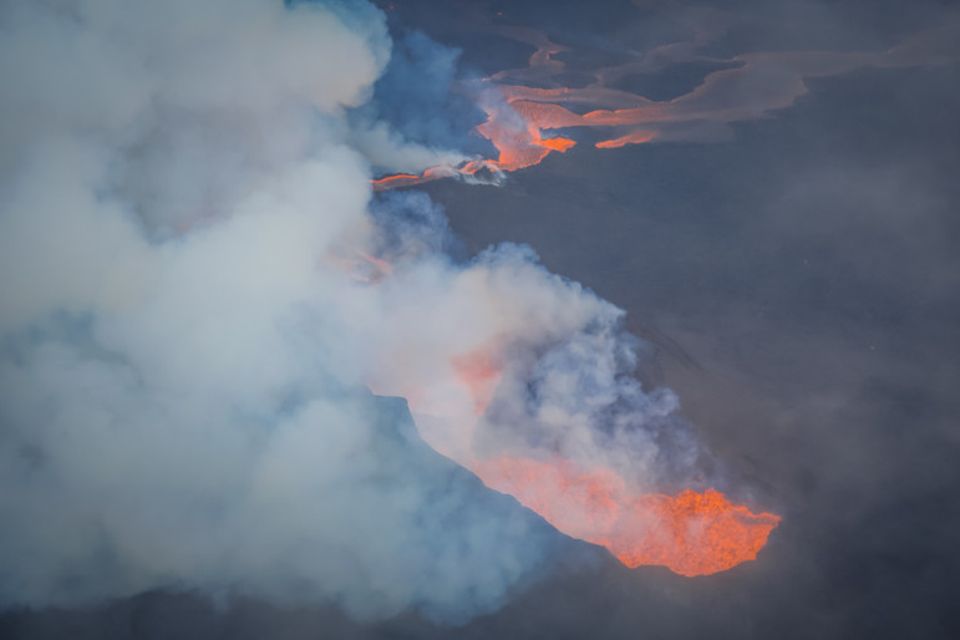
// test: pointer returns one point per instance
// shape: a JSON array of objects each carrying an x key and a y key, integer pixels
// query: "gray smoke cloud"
[{"x": 196, "y": 298}]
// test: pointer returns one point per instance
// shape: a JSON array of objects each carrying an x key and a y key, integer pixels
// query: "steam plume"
[{"x": 196, "y": 296}]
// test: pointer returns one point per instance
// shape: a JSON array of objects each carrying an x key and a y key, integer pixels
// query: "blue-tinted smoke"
[{"x": 422, "y": 96}]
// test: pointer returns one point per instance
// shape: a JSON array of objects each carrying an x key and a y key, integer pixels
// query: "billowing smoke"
[
  {"x": 198, "y": 298},
  {"x": 423, "y": 97}
]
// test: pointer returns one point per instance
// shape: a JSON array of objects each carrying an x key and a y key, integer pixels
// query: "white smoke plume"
[{"x": 196, "y": 296}]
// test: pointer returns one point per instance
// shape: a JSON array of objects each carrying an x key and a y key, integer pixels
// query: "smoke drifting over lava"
[
  {"x": 527, "y": 106},
  {"x": 198, "y": 291}
]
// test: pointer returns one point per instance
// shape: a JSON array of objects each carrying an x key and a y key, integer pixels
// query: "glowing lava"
[
  {"x": 519, "y": 142},
  {"x": 430, "y": 174},
  {"x": 691, "y": 533},
  {"x": 524, "y": 104},
  {"x": 635, "y": 137}
]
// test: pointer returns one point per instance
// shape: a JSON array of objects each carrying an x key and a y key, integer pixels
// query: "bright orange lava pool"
[{"x": 691, "y": 533}]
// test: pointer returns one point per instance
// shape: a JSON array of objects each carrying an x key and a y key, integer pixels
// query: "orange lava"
[
  {"x": 519, "y": 147},
  {"x": 694, "y": 534},
  {"x": 395, "y": 180},
  {"x": 408, "y": 179},
  {"x": 480, "y": 373},
  {"x": 532, "y": 100},
  {"x": 557, "y": 144},
  {"x": 515, "y": 126},
  {"x": 635, "y": 137},
  {"x": 691, "y": 534}
]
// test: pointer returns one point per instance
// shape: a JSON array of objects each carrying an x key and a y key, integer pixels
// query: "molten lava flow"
[
  {"x": 397, "y": 180},
  {"x": 517, "y": 119},
  {"x": 523, "y": 104},
  {"x": 479, "y": 372},
  {"x": 634, "y": 137},
  {"x": 519, "y": 145},
  {"x": 518, "y": 140},
  {"x": 578, "y": 504},
  {"x": 408, "y": 179},
  {"x": 691, "y": 533}
]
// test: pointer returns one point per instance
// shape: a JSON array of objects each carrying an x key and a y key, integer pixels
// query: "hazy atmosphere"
[{"x": 475, "y": 319}]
